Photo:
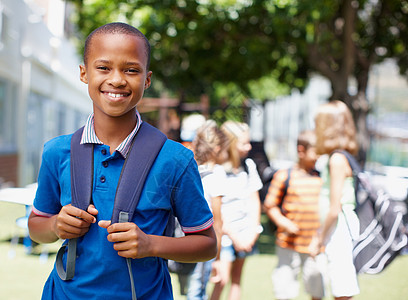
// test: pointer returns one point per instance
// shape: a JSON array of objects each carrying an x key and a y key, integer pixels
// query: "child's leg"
[
  {"x": 198, "y": 281},
  {"x": 225, "y": 271},
  {"x": 285, "y": 276},
  {"x": 236, "y": 272},
  {"x": 314, "y": 270}
]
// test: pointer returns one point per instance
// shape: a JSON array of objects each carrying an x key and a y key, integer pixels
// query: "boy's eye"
[
  {"x": 132, "y": 70},
  {"x": 102, "y": 68}
]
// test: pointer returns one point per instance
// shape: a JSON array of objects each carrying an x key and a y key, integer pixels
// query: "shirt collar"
[{"x": 89, "y": 135}]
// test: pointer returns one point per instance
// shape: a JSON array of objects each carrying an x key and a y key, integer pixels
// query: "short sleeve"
[
  {"x": 254, "y": 181},
  {"x": 48, "y": 195},
  {"x": 190, "y": 206},
  {"x": 214, "y": 183}
]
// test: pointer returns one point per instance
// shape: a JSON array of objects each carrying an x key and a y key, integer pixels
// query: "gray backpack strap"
[
  {"x": 123, "y": 218},
  {"x": 71, "y": 256},
  {"x": 144, "y": 150},
  {"x": 81, "y": 193},
  {"x": 285, "y": 190}
]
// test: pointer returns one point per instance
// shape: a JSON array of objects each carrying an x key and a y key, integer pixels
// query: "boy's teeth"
[{"x": 116, "y": 95}]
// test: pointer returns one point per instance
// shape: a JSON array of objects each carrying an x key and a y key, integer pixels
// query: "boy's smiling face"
[{"x": 116, "y": 73}]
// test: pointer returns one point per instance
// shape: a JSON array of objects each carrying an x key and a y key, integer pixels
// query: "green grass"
[{"x": 22, "y": 276}]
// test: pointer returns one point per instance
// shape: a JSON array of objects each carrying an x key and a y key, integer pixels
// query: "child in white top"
[
  {"x": 240, "y": 210},
  {"x": 210, "y": 150}
]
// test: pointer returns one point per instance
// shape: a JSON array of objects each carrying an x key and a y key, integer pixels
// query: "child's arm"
[
  {"x": 216, "y": 209},
  {"x": 273, "y": 199},
  {"x": 276, "y": 216},
  {"x": 255, "y": 216},
  {"x": 70, "y": 222},
  {"x": 339, "y": 170},
  {"x": 246, "y": 241},
  {"x": 131, "y": 242}
]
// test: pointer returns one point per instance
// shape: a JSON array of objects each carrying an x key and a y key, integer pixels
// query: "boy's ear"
[
  {"x": 148, "y": 80},
  {"x": 82, "y": 74}
]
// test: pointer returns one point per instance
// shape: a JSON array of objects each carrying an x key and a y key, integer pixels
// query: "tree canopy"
[
  {"x": 343, "y": 39},
  {"x": 196, "y": 44},
  {"x": 253, "y": 44}
]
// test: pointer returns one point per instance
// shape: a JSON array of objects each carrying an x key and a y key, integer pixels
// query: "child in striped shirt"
[{"x": 293, "y": 206}]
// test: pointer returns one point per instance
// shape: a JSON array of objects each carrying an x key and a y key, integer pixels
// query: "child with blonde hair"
[
  {"x": 209, "y": 146},
  {"x": 240, "y": 210}
]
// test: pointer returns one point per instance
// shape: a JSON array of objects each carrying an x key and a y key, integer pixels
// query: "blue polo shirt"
[{"x": 172, "y": 186}]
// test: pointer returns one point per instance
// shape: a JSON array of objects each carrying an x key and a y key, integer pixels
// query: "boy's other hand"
[
  {"x": 72, "y": 222},
  {"x": 129, "y": 241}
]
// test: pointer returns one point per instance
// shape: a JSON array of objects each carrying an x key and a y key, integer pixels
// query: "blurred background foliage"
[
  {"x": 196, "y": 44},
  {"x": 261, "y": 48}
]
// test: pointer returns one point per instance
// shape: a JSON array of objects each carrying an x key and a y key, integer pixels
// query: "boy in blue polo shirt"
[{"x": 116, "y": 62}]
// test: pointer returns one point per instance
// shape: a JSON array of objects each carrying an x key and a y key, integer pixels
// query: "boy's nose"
[{"x": 116, "y": 79}]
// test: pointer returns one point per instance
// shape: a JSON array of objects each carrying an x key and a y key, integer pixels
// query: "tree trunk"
[
  {"x": 340, "y": 88},
  {"x": 360, "y": 111},
  {"x": 360, "y": 107}
]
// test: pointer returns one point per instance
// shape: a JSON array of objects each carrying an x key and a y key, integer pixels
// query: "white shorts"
[
  {"x": 285, "y": 276},
  {"x": 339, "y": 251}
]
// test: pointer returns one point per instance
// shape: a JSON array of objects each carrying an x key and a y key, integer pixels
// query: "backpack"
[
  {"x": 382, "y": 232},
  {"x": 143, "y": 152}
]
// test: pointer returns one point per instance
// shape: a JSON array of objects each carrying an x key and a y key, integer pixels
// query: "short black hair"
[
  {"x": 307, "y": 139},
  {"x": 117, "y": 28}
]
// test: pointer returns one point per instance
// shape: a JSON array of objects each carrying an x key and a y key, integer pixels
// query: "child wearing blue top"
[{"x": 116, "y": 64}]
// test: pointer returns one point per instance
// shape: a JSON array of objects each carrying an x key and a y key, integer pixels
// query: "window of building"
[{"x": 8, "y": 104}]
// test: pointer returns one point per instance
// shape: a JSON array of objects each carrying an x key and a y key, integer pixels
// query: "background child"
[
  {"x": 240, "y": 210},
  {"x": 116, "y": 62},
  {"x": 210, "y": 150},
  {"x": 296, "y": 216},
  {"x": 335, "y": 130}
]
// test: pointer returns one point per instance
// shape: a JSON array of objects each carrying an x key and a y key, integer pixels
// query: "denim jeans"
[{"x": 198, "y": 281}]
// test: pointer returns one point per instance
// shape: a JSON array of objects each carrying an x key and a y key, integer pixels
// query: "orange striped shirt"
[{"x": 301, "y": 206}]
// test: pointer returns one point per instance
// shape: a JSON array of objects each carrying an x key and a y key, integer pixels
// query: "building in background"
[{"x": 41, "y": 95}]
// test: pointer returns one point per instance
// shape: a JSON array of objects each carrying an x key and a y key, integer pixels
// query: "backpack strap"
[
  {"x": 285, "y": 188},
  {"x": 355, "y": 168},
  {"x": 144, "y": 150},
  {"x": 205, "y": 173},
  {"x": 81, "y": 171},
  {"x": 145, "y": 147},
  {"x": 81, "y": 194}
]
